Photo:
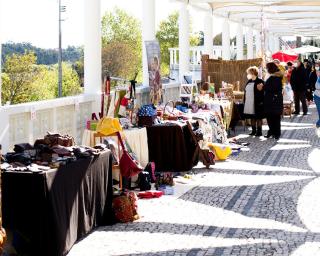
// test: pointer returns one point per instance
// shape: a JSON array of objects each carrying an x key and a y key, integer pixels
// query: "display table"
[
  {"x": 54, "y": 209},
  {"x": 171, "y": 147}
]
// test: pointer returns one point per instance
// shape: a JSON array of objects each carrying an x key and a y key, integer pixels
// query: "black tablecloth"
[
  {"x": 54, "y": 209},
  {"x": 171, "y": 148}
]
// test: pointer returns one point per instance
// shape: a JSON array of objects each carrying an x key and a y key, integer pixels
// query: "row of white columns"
[{"x": 92, "y": 49}]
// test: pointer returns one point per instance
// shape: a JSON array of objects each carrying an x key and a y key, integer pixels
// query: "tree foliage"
[
  {"x": 168, "y": 36},
  {"x": 24, "y": 81},
  {"x": 122, "y": 44},
  {"x": 19, "y": 73},
  {"x": 44, "y": 56}
]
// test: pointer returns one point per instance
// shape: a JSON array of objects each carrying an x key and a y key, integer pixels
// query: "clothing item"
[
  {"x": 312, "y": 80},
  {"x": 274, "y": 123},
  {"x": 299, "y": 79},
  {"x": 249, "y": 103},
  {"x": 273, "y": 98},
  {"x": 258, "y": 98},
  {"x": 259, "y": 131},
  {"x": 317, "y": 102},
  {"x": 317, "y": 88},
  {"x": 300, "y": 96}
]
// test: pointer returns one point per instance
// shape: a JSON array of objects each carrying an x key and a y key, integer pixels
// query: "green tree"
[
  {"x": 168, "y": 37},
  {"x": 19, "y": 72},
  {"x": 45, "y": 84},
  {"x": 121, "y": 39},
  {"x": 24, "y": 81}
]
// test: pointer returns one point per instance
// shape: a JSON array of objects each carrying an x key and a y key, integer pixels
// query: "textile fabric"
[
  {"x": 273, "y": 98},
  {"x": 249, "y": 103},
  {"x": 317, "y": 101},
  {"x": 54, "y": 209},
  {"x": 171, "y": 147},
  {"x": 300, "y": 96},
  {"x": 274, "y": 123},
  {"x": 138, "y": 142}
]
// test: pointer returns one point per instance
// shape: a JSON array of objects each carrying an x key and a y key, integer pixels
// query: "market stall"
[{"x": 48, "y": 209}]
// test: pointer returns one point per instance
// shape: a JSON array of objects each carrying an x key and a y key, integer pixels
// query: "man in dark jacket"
[{"x": 299, "y": 81}]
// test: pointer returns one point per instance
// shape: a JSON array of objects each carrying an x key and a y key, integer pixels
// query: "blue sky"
[{"x": 35, "y": 21}]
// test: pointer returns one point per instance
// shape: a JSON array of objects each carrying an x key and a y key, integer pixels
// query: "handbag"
[{"x": 129, "y": 167}]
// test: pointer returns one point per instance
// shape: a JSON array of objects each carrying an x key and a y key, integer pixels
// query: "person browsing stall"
[
  {"x": 317, "y": 95},
  {"x": 299, "y": 81},
  {"x": 273, "y": 100},
  {"x": 253, "y": 101}
]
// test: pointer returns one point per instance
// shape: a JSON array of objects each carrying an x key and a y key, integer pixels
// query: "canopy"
[
  {"x": 306, "y": 49},
  {"x": 285, "y": 56},
  {"x": 282, "y": 17}
]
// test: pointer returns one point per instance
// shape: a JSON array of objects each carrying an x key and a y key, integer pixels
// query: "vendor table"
[
  {"x": 171, "y": 147},
  {"x": 54, "y": 209}
]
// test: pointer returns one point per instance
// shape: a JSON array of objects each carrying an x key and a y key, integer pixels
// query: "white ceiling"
[{"x": 283, "y": 17}]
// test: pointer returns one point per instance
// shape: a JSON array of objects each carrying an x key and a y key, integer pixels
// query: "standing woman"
[
  {"x": 317, "y": 93},
  {"x": 253, "y": 101},
  {"x": 273, "y": 100},
  {"x": 312, "y": 83}
]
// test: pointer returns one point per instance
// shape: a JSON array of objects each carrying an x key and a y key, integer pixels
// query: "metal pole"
[{"x": 60, "y": 55}]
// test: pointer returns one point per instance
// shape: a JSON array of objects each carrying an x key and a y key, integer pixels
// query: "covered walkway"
[{"x": 262, "y": 202}]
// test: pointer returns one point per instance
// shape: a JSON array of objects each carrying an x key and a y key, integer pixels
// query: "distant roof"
[{"x": 283, "y": 17}]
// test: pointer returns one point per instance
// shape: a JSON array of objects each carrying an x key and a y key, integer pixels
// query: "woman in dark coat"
[
  {"x": 311, "y": 84},
  {"x": 253, "y": 101},
  {"x": 273, "y": 100}
]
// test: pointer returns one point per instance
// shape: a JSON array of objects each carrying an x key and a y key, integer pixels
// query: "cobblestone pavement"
[{"x": 261, "y": 202}]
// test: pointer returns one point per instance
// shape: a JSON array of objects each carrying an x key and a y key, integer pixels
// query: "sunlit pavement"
[{"x": 265, "y": 201}]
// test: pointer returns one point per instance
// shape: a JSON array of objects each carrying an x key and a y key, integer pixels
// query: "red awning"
[{"x": 285, "y": 56}]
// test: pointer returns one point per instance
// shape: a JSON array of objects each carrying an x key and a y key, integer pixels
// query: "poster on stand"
[{"x": 154, "y": 60}]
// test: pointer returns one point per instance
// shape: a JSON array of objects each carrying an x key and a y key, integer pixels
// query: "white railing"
[
  {"x": 195, "y": 56},
  {"x": 23, "y": 123}
]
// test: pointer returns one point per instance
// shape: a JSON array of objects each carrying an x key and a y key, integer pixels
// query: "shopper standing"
[
  {"x": 253, "y": 101},
  {"x": 317, "y": 94},
  {"x": 299, "y": 82},
  {"x": 273, "y": 100},
  {"x": 311, "y": 83}
]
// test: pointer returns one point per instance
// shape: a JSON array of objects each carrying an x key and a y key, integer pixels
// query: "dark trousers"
[
  {"x": 274, "y": 123},
  {"x": 300, "y": 97}
]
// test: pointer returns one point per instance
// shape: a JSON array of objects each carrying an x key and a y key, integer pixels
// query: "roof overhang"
[{"x": 283, "y": 17}]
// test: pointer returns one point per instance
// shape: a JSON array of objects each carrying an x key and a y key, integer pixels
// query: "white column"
[
  {"x": 250, "y": 44},
  {"x": 92, "y": 47},
  {"x": 0, "y": 50},
  {"x": 258, "y": 43},
  {"x": 184, "y": 44},
  {"x": 171, "y": 58},
  {"x": 148, "y": 33},
  {"x": 240, "y": 42},
  {"x": 276, "y": 43},
  {"x": 208, "y": 34},
  {"x": 271, "y": 43},
  {"x": 226, "y": 53},
  {"x": 175, "y": 57}
]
